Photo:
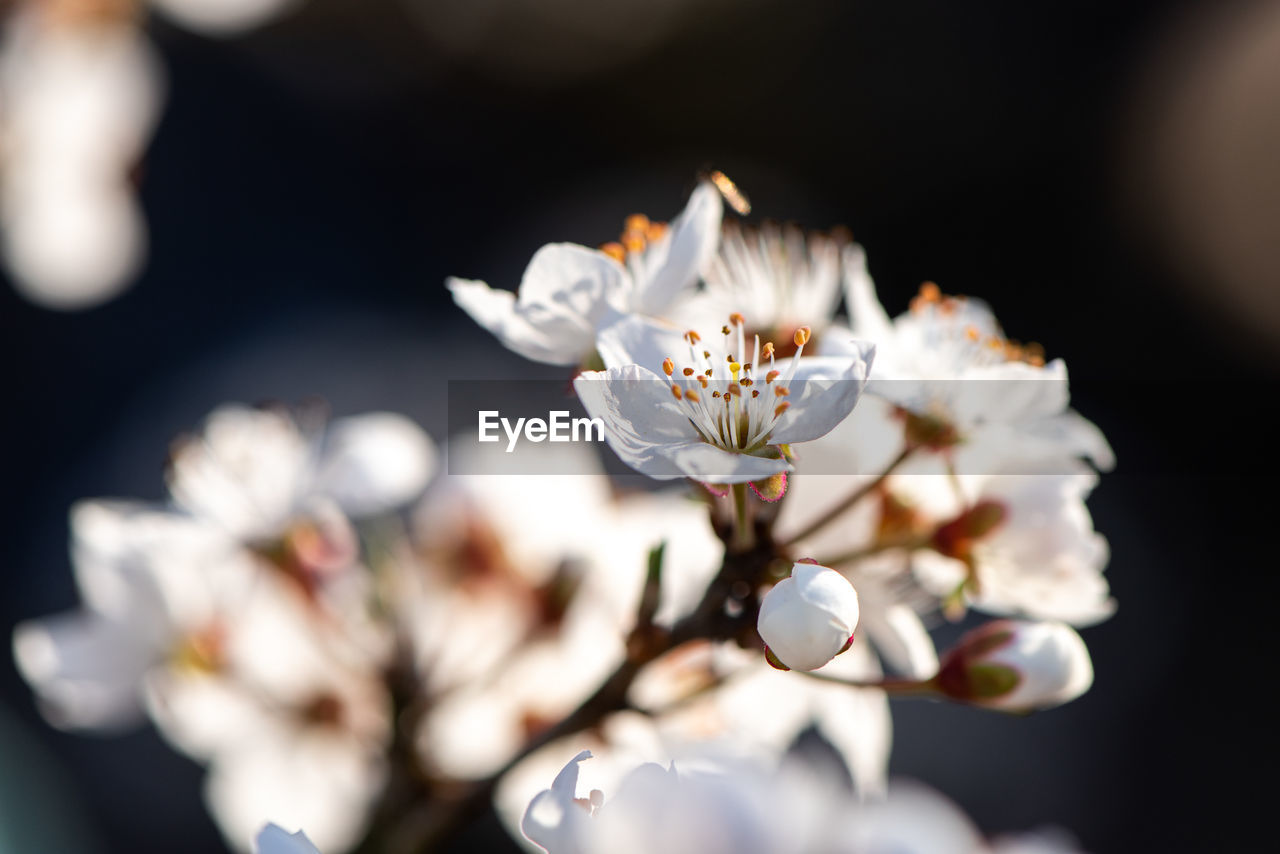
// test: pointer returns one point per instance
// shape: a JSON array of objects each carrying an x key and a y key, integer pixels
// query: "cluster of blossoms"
[
  {"x": 80, "y": 90},
  {"x": 367, "y": 651}
]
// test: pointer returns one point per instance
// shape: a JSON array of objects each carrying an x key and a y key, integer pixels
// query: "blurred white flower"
[
  {"x": 723, "y": 413},
  {"x": 522, "y": 595},
  {"x": 160, "y": 591},
  {"x": 78, "y": 101},
  {"x": 808, "y": 618},
  {"x": 256, "y": 472},
  {"x": 706, "y": 804},
  {"x": 224, "y": 17},
  {"x": 1017, "y": 665},
  {"x": 570, "y": 292},
  {"x": 274, "y": 839}
]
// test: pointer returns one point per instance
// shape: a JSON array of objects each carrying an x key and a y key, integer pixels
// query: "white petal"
[
  {"x": 823, "y": 393},
  {"x": 552, "y": 818},
  {"x": 1012, "y": 391},
  {"x": 86, "y": 669},
  {"x": 376, "y": 462},
  {"x": 639, "y": 414},
  {"x": 902, "y": 639},
  {"x": 301, "y": 778},
  {"x": 868, "y": 317},
  {"x": 913, "y": 820},
  {"x": 683, "y": 253},
  {"x": 244, "y": 472},
  {"x": 856, "y": 721},
  {"x": 636, "y": 340},
  {"x": 541, "y": 340},
  {"x": 710, "y": 464}
]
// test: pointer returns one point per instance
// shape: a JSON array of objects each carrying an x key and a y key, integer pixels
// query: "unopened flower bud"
[
  {"x": 808, "y": 619},
  {"x": 1017, "y": 665},
  {"x": 956, "y": 538}
]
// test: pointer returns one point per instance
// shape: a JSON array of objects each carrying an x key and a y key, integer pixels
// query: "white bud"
[
  {"x": 1017, "y": 665},
  {"x": 808, "y": 619}
]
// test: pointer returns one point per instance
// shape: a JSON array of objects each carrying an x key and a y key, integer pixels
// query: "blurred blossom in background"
[{"x": 205, "y": 201}]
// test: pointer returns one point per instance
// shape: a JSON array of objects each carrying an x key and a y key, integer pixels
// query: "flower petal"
[
  {"x": 373, "y": 463},
  {"x": 639, "y": 415},
  {"x": 675, "y": 261},
  {"x": 823, "y": 393},
  {"x": 710, "y": 464},
  {"x": 866, "y": 314},
  {"x": 636, "y": 340},
  {"x": 539, "y": 340},
  {"x": 903, "y": 641},
  {"x": 86, "y": 669},
  {"x": 244, "y": 472},
  {"x": 552, "y": 818},
  {"x": 567, "y": 292}
]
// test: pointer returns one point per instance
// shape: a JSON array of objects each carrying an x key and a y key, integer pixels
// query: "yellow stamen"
[
  {"x": 636, "y": 222},
  {"x": 800, "y": 338},
  {"x": 668, "y": 366},
  {"x": 615, "y": 251}
]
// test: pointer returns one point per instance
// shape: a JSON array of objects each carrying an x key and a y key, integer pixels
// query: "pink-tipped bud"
[
  {"x": 1017, "y": 665},
  {"x": 809, "y": 618}
]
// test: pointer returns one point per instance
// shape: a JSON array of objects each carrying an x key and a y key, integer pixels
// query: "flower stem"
[
  {"x": 892, "y": 687},
  {"x": 849, "y": 500},
  {"x": 854, "y": 555}
]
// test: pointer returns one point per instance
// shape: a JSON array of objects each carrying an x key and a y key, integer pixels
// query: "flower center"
[{"x": 734, "y": 403}]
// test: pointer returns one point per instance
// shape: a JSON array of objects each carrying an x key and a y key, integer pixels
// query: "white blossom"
[
  {"x": 80, "y": 99},
  {"x": 159, "y": 591},
  {"x": 809, "y": 617},
  {"x": 708, "y": 804},
  {"x": 254, "y": 472},
  {"x": 726, "y": 406},
  {"x": 985, "y": 400},
  {"x": 1041, "y": 558},
  {"x": 570, "y": 292}
]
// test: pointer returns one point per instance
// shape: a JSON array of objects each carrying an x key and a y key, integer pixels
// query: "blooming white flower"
[
  {"x": 809, "y": 617},
  {"x": 1017, "y": 665},
  {"x": 725, "y": 411},
  {"x": 274, "y": 839},
  {"x": 714, "y": 805},
  {"x": 1033, "y": 553},
  {"x": 80, "y": 99},
  {"x": 570, "y": 292},
  {"x": 967, "y": 389},
  {"x": 255, "y": 472}
]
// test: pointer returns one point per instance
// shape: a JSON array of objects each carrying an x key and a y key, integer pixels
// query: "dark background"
[{"x": 311, "y": 185}]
